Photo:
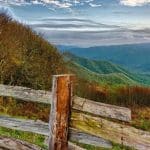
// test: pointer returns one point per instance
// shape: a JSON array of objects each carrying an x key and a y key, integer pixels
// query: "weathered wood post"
[{"x": 60, "y": 111}]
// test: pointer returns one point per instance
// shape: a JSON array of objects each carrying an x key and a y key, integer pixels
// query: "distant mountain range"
[
  {"x": 104, "y": 72},
  {"x": 135, "y": 57}
]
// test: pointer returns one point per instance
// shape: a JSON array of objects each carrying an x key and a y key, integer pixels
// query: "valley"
[{"x": 135, "y": 57}]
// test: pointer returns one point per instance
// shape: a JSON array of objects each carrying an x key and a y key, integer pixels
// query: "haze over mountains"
[
  {"x": 104, "y": 72},
  {"x": 135, "y": 57}
]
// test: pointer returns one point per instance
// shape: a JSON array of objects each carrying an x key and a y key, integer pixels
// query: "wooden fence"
[{"x": 75, "y": 119}]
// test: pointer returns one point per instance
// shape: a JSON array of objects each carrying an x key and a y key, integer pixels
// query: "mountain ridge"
[
  {"x": 104, "y": 71},
  {"x": 135, "y": 57}
]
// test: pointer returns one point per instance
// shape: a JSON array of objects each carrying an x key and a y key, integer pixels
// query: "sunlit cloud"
[
  {"x": 134, "y": 2},
  {"x": 57, "y": 3},
  {"x": 95, "y": 5},
  {"x": 53, "y": 3}
]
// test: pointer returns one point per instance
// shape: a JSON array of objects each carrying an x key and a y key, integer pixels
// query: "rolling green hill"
[{"x": 104, "y": 72}]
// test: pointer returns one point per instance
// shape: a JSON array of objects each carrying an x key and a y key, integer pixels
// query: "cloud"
[
  {"x": 71, "y": 3},
  {"x": 87, "y": 1},
  {"x": 14, "y": 2},
  {"x": 56, "y": 3},
  {"x": 133, "y": 3},
  {"x": 70, "y": 24},
  {"x": 85, "y": 32},
  {"x": 76, "y": 20},
  {"x": 52, "y": 3},
  {"x": 95, "y": 38},
  {"x": 95, "y": 5}
]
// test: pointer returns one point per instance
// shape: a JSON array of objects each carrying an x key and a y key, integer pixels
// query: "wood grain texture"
[
  {"x": 15, "y": 144},
  {"x": 26, "y": 94},
  {"x": 85, "y": 105},
  {"x": 60, "y": 112},
  {"x": 74, "y": 147},
  {"x": 118, "y": 133},
  {"x": 42, "y": 128},
  {"x": 87, "y": 128},
  {"x": 101, "y": 109},
  {"x": 81, "y": 137}
]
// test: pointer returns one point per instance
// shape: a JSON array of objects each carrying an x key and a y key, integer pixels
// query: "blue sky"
[{"x": 85, "y": 22}]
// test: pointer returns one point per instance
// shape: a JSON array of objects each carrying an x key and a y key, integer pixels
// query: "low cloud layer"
[
  {"x": 86, "y": 33},
  {"x": 70, "y": 24},
  {"x": 88, "y": 39}
]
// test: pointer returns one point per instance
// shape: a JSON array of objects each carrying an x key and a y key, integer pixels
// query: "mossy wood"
[
  {"x": 42, "y": 128},
  {"x": 88, "y": 130},
  {"x": 115, "y": 132}
]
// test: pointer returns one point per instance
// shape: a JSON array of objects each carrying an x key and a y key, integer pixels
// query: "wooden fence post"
[{"x": 60, "y": 112}]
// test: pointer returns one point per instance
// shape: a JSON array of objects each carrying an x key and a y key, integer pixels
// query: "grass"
[
  {"x": 39, "y": 140},
  {"x": 27, "y": 110},
  {"x": 115, "y": 147},
  {"x": 25, "y": 136},
  {"x": 141, "y": 118}
]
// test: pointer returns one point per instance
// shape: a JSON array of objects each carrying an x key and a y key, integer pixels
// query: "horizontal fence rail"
[
  {"x": 113, "y": 131},
  {"x": 81, "y": 104},
  {"x": 42, "y": 128},
  {"x": 94, "y": 131}
]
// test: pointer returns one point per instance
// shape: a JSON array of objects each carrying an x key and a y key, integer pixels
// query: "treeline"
[
  {"x": 129, "y": 96},
  {"x": 133, "y": 96}
]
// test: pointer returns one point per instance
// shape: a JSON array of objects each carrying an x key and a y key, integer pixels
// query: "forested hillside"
[
  {"x": 25, "y": 57},
  {"x": 135, "y": 57},
  {"x": 104, "y": 72}
]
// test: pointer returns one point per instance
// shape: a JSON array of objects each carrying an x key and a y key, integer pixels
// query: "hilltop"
[{"x": 26, "y": 58}]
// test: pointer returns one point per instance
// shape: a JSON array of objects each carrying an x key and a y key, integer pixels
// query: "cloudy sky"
[{"x": 84, "y": 22}]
